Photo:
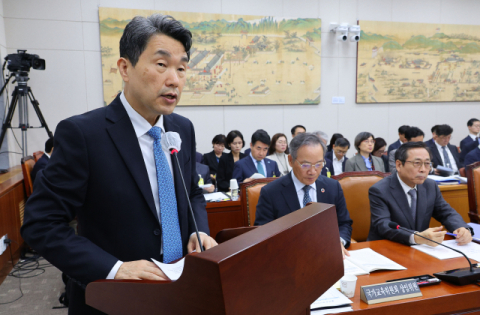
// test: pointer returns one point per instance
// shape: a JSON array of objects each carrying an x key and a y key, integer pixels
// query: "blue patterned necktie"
[
  {"x": 260, "y": 168},
  {"x": 446, "y": 158},
  {"x": 171, "y": 236},
  {"x": 306, "y": 196}
]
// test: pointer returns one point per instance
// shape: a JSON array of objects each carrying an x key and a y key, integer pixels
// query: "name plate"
[{"x": 390, "y": 291}]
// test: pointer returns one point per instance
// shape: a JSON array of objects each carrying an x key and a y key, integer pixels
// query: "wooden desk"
[
  {"x": 224, "y": 215},
  {"x": 457, "y": 197},
  {"x": 12, "y": 203},
  {"x": 444, "y": 298}
]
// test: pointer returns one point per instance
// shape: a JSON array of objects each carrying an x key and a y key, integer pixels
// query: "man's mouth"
[{"x": 170, "y": 96}]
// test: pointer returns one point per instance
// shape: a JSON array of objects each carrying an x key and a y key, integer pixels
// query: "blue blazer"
[
  {"x": 466, "y": 149},
  {"x": 394, "y": 146},
  {"x": 329, "y": 165},
  {"x": 204, "y": 171},
  {"x": 465, "y": 142},
  {"x": 39, "y": 165},
  {"x": 428, "y": 143},
  {"x": 98, "y": 175},
  {"x": 245, "y": 168},
  {"x": 280, "y": 198},
  {"x": 472, "y": 156},
  {"x": 329, "y": 156}
]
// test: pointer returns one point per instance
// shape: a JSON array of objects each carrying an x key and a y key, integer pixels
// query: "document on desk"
[
  {"x": 472, "y": 250},
  {"x": 216, "y": 196},
  {"x": 331, "y": 298},
  {"x": 366, "y": 260},
  {"x": 172, "y": 271}
]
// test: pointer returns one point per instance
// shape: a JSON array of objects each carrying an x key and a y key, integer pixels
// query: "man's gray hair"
[
  {"x": 322, "y": 135},
  {"x": 305, "y": 139}
]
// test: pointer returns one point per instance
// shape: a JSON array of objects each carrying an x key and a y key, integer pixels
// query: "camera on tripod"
[{"x": 23, "y": 61}]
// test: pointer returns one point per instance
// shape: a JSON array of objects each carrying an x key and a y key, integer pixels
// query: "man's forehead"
[{"x": 418, "y": 154}]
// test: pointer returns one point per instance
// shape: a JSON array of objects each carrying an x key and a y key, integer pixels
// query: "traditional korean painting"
[
  {"x": 234, "y": 60},
  {"x": 418, "y": 62}
]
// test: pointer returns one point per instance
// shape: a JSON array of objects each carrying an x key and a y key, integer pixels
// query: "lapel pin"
[{"x": 322, "y": 190}]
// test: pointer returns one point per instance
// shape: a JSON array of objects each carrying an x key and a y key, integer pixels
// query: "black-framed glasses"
[
  {"x": 418, "y": 164},
  {"x": 307, "y": 166}
]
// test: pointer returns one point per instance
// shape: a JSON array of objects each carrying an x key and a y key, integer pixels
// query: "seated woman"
[
  {"x": 234, "y": 143},
  {"x": 278, "y": 151},
  {"x": 379, "y": 149},
  {"x": 332, "y": 141},
  {"x": 213, "y": 158},
  {"x": 364, "y": 161}
]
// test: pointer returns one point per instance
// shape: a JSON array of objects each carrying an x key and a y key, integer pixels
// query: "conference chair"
[
  {"x": 473, "y": 183},
  {"x": 37, "y": 155},
  {"x": 355, "y": 187},
  {"x": 27, "y": 166},
  {"x": 250, "y": 193}
]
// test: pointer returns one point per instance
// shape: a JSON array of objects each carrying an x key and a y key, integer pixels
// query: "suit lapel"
[
  {"x": 269, "y": 168},
  {"x": 125, "y": 140},
  {"x": 421, "y": 208},
  {"x": 436, "y": 154},
  {"x": 251, "y": 167},
  {"x": 401, "y": 199},
  {"x": 360, "y": 162},
  {"x": 290, "y": 194},
  {"x": 320, "y": 184}
]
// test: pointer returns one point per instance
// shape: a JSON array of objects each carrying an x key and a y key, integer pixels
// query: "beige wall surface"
[{"x": 66, "y": 34}]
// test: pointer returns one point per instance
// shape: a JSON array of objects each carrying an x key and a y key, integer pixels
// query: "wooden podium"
[{"x": 278, "y": 268}]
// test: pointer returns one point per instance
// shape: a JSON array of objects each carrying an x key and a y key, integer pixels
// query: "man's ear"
[
  {"x": 123, "y": 67},
  {"x": 290, "y": 160}
]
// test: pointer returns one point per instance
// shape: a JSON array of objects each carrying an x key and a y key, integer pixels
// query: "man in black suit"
[
  {"x": 42, "y": 162},
  {"x": 303, "y": 185},
  {"x": 434, "y": 136},
  {"x": 338, "y": 156},
  {"x": 473, "y": 126},
  {"x": 401, "y": 138},
  {"x": 107, "y": 167},
  {"x": 410, "y": 199},
  {"x": 444, "y": 153}
]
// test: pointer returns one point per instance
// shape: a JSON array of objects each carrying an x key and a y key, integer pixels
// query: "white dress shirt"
[
  {"x": 450, "y": 156},
  {"x": 406, "y": 189},
  {"x": 337, "y": 165},
  {"x": 474, "y": 137}
]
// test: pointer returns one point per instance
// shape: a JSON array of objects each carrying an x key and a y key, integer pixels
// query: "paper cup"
[
  {"x": 347, "y": 285},
  {"x": 233, "y": 184}
]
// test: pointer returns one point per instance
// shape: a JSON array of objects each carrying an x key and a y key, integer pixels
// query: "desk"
[
  {"x": 457, "y": 197},
  {"x": 224, "y": 215},
  {"x": 444, "y": 298}
]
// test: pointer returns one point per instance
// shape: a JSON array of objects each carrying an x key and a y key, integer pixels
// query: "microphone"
[
  {"x": 172, "y": 142},
  {"x": 459, "y": 276}
]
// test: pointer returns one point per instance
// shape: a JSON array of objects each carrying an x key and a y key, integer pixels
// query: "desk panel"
[
  {"x": 457, "y": 197},
  {"x": 224, "y": 215}
]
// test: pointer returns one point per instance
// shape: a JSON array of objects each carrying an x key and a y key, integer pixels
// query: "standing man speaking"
[{"x": 109, "y": 171}]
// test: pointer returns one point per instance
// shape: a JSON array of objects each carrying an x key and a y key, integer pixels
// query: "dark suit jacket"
[
  {"x": 385, "y": 163},
  {"x": 39, "y": 165},
  {"x": 204, "y": 171},
  {"x": 472, "y": 157},
  {"x": 437, "y": 159},
  {"x": 98, "y": 174},
  {"x": 469, "y": 147},
  {"x": 394, "y": 146},
  {"x": 247, "y": 152},
  {"x": 280, "y": 198},
  {"x": 465, "y": 142},
  {"x": 329, "y": 156},
  {"x": 210, "y": 159},
  {"x": 429, "y": 142},
  {"x": 198, "y": 157},
  {"x": 388, "y": 202},
  {"x": 225, "y": 171},
  {"x": 328, "y": 165},
  {"x": 245, "y": 168}
]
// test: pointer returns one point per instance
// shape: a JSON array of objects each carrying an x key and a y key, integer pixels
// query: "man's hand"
[
  {"x": 436, "y": 172},
  {"x": 435, "y": 234},
  {"x": 344, "y": 251},
  {"x": 140, "y": 270},
  {"x": 207, "y": 242},
  {"x": 463, "y": 236},
  {"x": 248, "y": 180},
  {"x": 212, "y": 176},
  {"x": 210, "y": 189}
]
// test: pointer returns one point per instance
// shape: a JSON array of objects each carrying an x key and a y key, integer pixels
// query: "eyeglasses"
[
  {"x": 369, "y": 141},
  {"x": 418, "y": 164},
  {"x": 307, "y": 166}
]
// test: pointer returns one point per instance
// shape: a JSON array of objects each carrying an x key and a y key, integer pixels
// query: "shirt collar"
[
  {"x": 405, "y": 187},
  {"x": 299, "y": 185},
  {"x": 48, "y": 155},
  {"x": 255, "y": 162},
  {"x": 439, "y": 147},
  {"x": 140, "y": 124},
  {"x": 474, "y": 137}
]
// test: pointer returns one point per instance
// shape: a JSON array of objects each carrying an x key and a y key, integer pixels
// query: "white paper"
[
  {"x": 257, "y": 176},
  {"x": 472, "y": 250},
  {"x": 332, "y": 297},
  {"x": 217, "y": 196},
  {"x": 332, "y": 310},
  {"x": 172, "y": 271},
  {"x": 370, "y": 260},
  {"x": 205, "y": 186},
  {"x": 441, "y": 179},
  {"x": 352, "y": 269}
]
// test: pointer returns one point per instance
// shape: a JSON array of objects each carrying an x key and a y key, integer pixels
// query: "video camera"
[{"x": 23, "y": 61}]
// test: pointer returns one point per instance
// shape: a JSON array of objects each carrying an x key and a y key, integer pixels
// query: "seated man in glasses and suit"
[
  {"x": 410, "y": 199},
  {"x": 303, "y": 185}
]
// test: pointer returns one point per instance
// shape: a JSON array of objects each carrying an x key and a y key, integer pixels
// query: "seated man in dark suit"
[
  {"x": 410, "y": 199},
  {"x": 338, "y": 156},
  {"x": 444, "y": 153},
  {"x": 434, "y": 136},
  {"x": 303, "y": 185},
  {"x": 473, "y": 129},
  {"x": 401, "y": 138},
  {"x": 42, "y": 162},
  {"x": 256, "y": 161},
  {"x": 204, "y": 171},
  {"x": 473, "y": 156}
]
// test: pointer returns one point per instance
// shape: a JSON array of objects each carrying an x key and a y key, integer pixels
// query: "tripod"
[{"x": 20, "y": 97}]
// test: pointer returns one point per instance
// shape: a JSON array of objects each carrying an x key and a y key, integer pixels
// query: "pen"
[{"x": 451, "y": 234}]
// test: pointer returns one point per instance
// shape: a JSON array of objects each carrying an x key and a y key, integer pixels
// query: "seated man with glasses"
[
  {"x": 303, "y": 185},
  {"x": 410, "y": 199}
]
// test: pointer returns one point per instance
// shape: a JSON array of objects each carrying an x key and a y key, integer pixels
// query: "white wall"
[{"x": 66, "y": 34}]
